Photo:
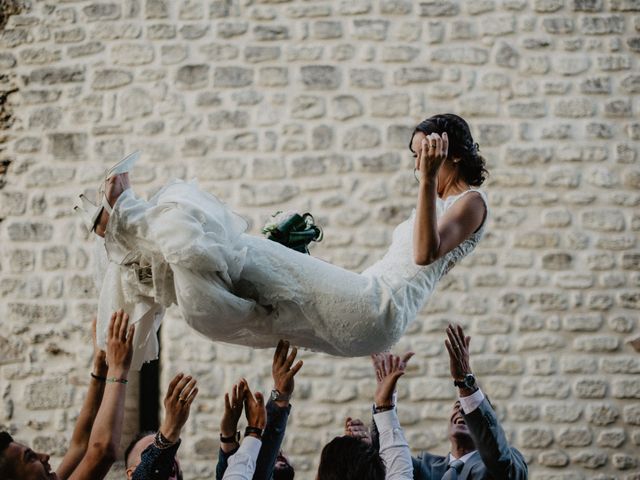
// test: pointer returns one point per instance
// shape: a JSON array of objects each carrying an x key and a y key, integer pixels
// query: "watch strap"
[
  {"x": 255, "y": 430},
  {"x": 231, "y": 439}
]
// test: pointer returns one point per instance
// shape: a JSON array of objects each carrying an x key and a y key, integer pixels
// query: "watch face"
[
  {"x": 469, "y": 380},
  {"x": 274, "y": 395}
]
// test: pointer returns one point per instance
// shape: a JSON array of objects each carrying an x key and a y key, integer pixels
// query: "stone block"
[
  {"x": 98, "y": 12},
  {"x": 321, "y": 77},
  {"x": 618, "y": 109},
  {"x": 131, "y": 54},
  {"x": 48, "y": 394},
  {"x": 394, "y": 105},
  {"x": 590, "y": 322},
  {"x": 590, "y": 388},
  {"x": 326, "y": 29},
  {"x": 591, "y": 459},
  {"x": 231, "y": 29},
  {"x": 232, "y": 77},
  {"x": 361, "y": 137},
  {"x": 544, "y": 388},
  {"x": 308, "y": 107},
  {"x": 370, "y": 30},
  {"x": 535, "y": 437},
  {"x": 11, "y": 350},
  {"x": 266, "y": 194},
  {"x": 436, "y": 8},
  {"x": 396, "y": 7},
  {"x": 463, "y": 55},
  {"x": 273, "y": 76},
  {"x": 561, "y": 413},
  {"x": 268, "y": 168},
  {"x": 574, "y": 437},
  {"x": 268, "y": 33},
  {"x": 624, "y": 461},
  {"x": 217, "y": 52},
  {"x": 225, "y": 119},
  {"x": 602, "y": 414},
  {"x": 106, "y": 79},
  {"x": 68, "y": 146},
  {"x": 161, "y": 31},
  {"x": 553, "y": 458},
  {"x": 603, "y": 220},
  {"x": 366, "y": 78},
  {"x": 257, "y": 54},
  {"x": 406, "y": 76},
  {"x": 612, "y": 438},
  {"x": 322, "y": 137},
  {"x": 602, "y": 24},
  {"x": 558, "y": 25},
  {"x": 192, "y": 76},
  {"x": 626, "y": 388},
  {"x": 575, "y": 108},
  {"x": 345, "y": 107},
  {"x": 56, "y": 75},
  {"x": 625, "y": 5},
  {"x": 55, "y": 258}
]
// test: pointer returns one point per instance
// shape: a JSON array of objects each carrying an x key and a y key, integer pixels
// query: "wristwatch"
[
  {"x": 469, "y": 381},
  {"x": 277, "y": 396},
  {"x": 232, "y": 439},
  {"x": 255, "y": 430}
]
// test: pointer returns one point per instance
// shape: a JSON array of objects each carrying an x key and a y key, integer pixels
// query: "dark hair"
[
  {"x": 5, "y": 440},
  {"x": 348, "y": 458},
  {"x": 284, "y": 473},
  {"x": 132, "y": 444},
  {"x": 471, "y": 164}
]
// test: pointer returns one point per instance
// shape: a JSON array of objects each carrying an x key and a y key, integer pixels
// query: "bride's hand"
[{"x": 433, "y": 152}]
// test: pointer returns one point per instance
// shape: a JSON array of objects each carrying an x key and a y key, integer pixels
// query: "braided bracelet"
[
  {"x": 161, "y": 441},
  {"x": 123, "y": 381}
]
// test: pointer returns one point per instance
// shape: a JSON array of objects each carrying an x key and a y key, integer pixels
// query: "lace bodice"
[{"x": 398, "y": 265}]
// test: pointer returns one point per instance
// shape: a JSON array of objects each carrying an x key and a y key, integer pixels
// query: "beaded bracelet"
[
  {"x": 123, "y": 381},
  {"x": 161, "y": 441},
  {"x": 98, "y": 377}
]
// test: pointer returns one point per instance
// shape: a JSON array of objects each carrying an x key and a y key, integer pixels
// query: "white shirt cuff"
[
  {"x": 387, "y": 420},
  {"x": 473, "y": 401},
  {"x": 251, "y": 446}
]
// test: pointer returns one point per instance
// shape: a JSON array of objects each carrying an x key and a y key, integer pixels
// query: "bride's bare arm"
[{"x": 432, "y": 238}]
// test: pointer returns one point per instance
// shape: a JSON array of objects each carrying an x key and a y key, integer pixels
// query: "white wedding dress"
[{"x": 185, "y": 246}]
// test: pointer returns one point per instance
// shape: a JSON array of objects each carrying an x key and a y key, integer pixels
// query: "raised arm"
[
  {"x": 283, "y": 372},
  {"x": 84, "y": 424},
  {"x": 158, "y": 460},
  {"x": 394, "y": 449},
  {"x": 432, "y": 238},
  {"x": 242, "y": 464},
  {"x": 501, "y": 460},
  {"x": 107, "y": 429},
  {"x": 229, "y": 435}
]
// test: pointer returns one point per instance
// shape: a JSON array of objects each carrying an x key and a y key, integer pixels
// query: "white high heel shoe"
[{"x": 91, "y": 212}]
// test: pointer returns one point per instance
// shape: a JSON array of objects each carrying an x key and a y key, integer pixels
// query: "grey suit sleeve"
[{"x": 499, "y": 458}]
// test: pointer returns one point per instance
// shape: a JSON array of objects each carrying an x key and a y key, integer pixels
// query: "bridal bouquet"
[{"x": 293, "y": 230}]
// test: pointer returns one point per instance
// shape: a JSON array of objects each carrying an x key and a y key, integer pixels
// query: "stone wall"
[{"x": 308, "y": 105}]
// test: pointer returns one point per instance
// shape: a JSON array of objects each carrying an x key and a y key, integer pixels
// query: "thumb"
[{"x": 259, "y": 398}]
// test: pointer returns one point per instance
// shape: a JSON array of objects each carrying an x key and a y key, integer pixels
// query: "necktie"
[{"x": 454, "y": 469}]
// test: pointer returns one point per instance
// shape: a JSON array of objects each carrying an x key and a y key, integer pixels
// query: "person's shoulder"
[{"x": 430, "y": 459}]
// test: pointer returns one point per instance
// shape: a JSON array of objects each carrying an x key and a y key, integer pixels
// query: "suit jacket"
[{"x": 494, "y": 459}]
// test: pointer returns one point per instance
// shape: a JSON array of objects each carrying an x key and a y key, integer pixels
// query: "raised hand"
[
  {"x": 254, "y": 409},
  {"x": 433, "y": 152},
  {"x": 389, "y": 368},
  {"x": 233, "y": 409},
  {"x": 119, "y": 344},
  {"x": 458, "y": 347},
  {"x": 356, "y": 429},
  {"x": 283, "y": 372},
  {"x": 177, "y": 404}
]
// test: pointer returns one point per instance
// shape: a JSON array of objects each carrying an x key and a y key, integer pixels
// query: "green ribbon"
[{"x": 296, "y": 232}]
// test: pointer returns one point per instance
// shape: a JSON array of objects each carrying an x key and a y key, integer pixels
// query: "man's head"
[
  {"x": 348, "y": 458},
  {"x": 458, "y": 430},
  {"x": 133, "y": 455},
  {"x": 282, "y": 470},
  {"x": 19, "y": 462}
]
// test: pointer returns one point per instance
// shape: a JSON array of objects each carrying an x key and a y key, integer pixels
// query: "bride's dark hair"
[{"x": 471, "y": 164}]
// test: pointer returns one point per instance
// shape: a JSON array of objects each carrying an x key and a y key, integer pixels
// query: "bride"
[{"x": 186, "y": 247}]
